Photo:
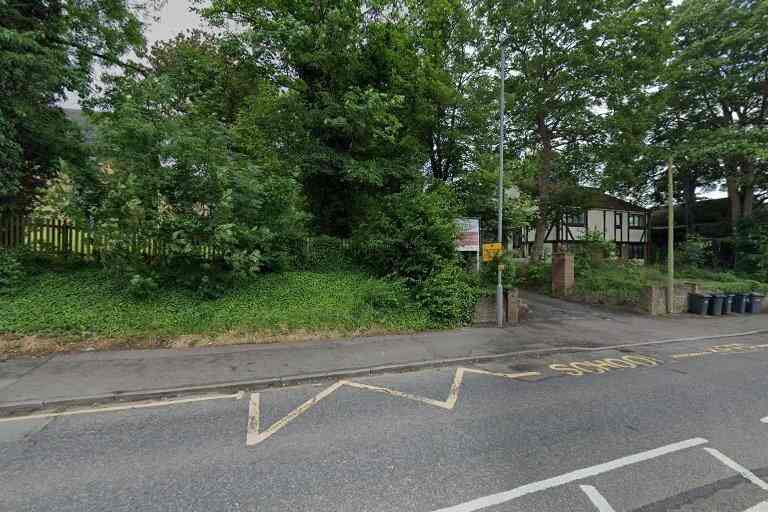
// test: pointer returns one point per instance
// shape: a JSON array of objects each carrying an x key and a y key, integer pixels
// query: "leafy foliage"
[
  {"x": 11, "y": 271},
  {"x": 48, "y": 48},
  {"x": 408, "y": 234},
  {"x": 174, "y": 180},
  {"x": 695, "y": 252},
  {"x": 86, "y": 302},
  {"x": 592, "y": 249},
  {"x": 752, "y": 246},
  {"x": 574, "y": 69},
  {"x": 535, "y": 275},
  {"x": 449, "y": 296}
]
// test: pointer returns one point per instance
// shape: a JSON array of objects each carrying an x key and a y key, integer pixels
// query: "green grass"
[
  {"x": 85, "y": 302},
  {"x": 623, "y": 282}
]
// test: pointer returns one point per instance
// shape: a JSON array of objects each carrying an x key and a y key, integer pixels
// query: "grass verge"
[{"x": 82, "y": 308}]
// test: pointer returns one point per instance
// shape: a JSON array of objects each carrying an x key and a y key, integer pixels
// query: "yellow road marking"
[
  {"x": 600, "y": 366},
  {"x": 127, "y": 407},
  {"x": 732, "y": 348},
  {"x": 691, "y": 354},
  {"x": 254, "y": 436}
]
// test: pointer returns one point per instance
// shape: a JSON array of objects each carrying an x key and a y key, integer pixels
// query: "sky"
[{"x": 175, "y": 17}]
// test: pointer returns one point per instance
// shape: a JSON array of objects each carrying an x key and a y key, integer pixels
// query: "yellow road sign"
[{"x": 490, "y": 251}]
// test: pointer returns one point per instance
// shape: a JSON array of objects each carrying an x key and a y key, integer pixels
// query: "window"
[
  {"x": 637, "y": 220},
  {"x": 577, "y": 219},
  {"x": 618, "y": 218}
]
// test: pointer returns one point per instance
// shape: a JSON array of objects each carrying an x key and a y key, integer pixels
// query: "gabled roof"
[{"x": 595, "y": 198}]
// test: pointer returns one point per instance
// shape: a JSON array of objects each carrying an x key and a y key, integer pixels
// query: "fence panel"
[{"x": 63, "y": 237}]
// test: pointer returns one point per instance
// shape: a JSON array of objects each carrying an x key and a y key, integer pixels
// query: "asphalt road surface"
[{"x": 676, "y": 427}]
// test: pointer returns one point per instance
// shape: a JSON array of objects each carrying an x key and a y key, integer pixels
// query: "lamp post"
[
  {"x": 499, "y": 287},
  {"x": 670, "y": 237}
]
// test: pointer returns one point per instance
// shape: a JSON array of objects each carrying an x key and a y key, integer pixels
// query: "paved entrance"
[{"x": 544, "y": 307}]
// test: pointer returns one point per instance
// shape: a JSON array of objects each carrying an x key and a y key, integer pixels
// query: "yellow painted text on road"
[{"x": 606, "y": 365}]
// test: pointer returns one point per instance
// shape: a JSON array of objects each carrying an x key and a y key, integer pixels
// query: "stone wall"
[
  {"x": 654, "y": 299},
  {"x": 515, "y": 310}
]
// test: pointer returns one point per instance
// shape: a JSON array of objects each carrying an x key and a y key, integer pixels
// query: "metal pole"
[
  {"x": 670, "y": 238},
  {"x": 499, "y": 287}
]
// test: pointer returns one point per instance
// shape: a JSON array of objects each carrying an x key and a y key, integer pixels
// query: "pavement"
[
  {"x": 555, "y": 326},
  {"x": 679, "y": 426}
]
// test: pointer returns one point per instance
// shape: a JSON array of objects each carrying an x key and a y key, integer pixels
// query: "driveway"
[{"x": 544, "y": 307}]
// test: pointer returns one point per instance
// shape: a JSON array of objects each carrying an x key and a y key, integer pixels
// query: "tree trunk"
[
  {"x": 747, "y": 189},
  {"x": 734, "y": 198},
  {"x": 690, "y": 202},
  {"x": 542, "y": 184},
  {"x": 537, "y": 252}
]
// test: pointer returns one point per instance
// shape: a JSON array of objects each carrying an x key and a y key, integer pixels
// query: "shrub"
[
  {"x": 141, "y": 287},
  {"x": 534, "y": 275},
  {"x": 449, "y": 296},
  {"x": 695, "y": 252},
  {"x": 592, "y": 249},
  {"x": 488, "y": 271},
  {"x": 11, "y": 272},
  {"x": 408, "y": 234},
  {"x": 751, "y": 246}
]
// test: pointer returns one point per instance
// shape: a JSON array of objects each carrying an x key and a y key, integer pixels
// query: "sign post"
[{"x": 468, "y": 239}]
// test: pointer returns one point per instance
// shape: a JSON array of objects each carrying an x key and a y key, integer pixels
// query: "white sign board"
[{"x": 468, "y": 239}]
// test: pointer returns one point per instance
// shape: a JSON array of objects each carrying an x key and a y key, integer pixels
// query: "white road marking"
[
  {"x": 738, "y": 468},
  {"x": 597, "y": 499},
  {"x": 254, "y": 437},
  {"x": 765, "y": 420},
  {"x": 127, "y": 407},
  {"x": 760, "y": 507},
  {"x": 579, "y": 474}
]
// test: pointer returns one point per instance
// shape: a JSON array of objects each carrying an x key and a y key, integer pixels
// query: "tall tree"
[
  {"x": 46, "y": 49},
  {"x": 718, "y": 89},
  {"x": 346, "y": 67},
  {"x": 572, "y": 65}
]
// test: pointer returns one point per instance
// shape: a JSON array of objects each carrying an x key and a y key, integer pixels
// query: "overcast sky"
[{"x": 173, "y": 18}]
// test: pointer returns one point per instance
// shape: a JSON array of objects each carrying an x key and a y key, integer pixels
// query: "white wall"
[{"x": 595, "y": 223}]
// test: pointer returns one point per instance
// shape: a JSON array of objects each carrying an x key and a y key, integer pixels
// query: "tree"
[
  {"x": 48, "y": 48},
  {"x": 452, "y": 92},
  {"x": 572, "y": 65},
  {"x": 173, "y": 176},
  {"x": 346, "y": 68},
  {"x": 718, "y": 90}
]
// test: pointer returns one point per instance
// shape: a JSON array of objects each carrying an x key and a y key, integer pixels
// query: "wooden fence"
[
  {"x": 52, "y": 236},
  {"x": 64, "y": 237}
]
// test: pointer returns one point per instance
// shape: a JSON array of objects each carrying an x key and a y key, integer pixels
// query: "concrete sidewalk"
[{"x": 90, "y": 377}]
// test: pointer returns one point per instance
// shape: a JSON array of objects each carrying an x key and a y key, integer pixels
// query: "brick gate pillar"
[{"x": 563, "y": 278}]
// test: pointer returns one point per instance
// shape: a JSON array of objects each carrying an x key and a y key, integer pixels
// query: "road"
[{"x": 644, "y": 429}]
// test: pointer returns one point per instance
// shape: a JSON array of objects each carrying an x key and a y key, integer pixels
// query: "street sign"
[
  {"x": 491, "y": 250},
  {"x": 468, "y": 239}
]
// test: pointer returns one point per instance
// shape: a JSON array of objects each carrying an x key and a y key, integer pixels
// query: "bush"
[
  {"x": 695, "y": 252},
  {"x": 408, "y": 234},
  {"x": 534, "y": 275},
  {"x": 11, "y": 272},
  {"x": 592, "y": 249},
  {"x": 449, "y": 296},
  {"x": 489, "y": 270},
  {"x": 751, "y": 246}
]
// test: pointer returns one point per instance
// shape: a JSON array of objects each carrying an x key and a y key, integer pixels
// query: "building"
[{"x": 616, "y": 220}]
